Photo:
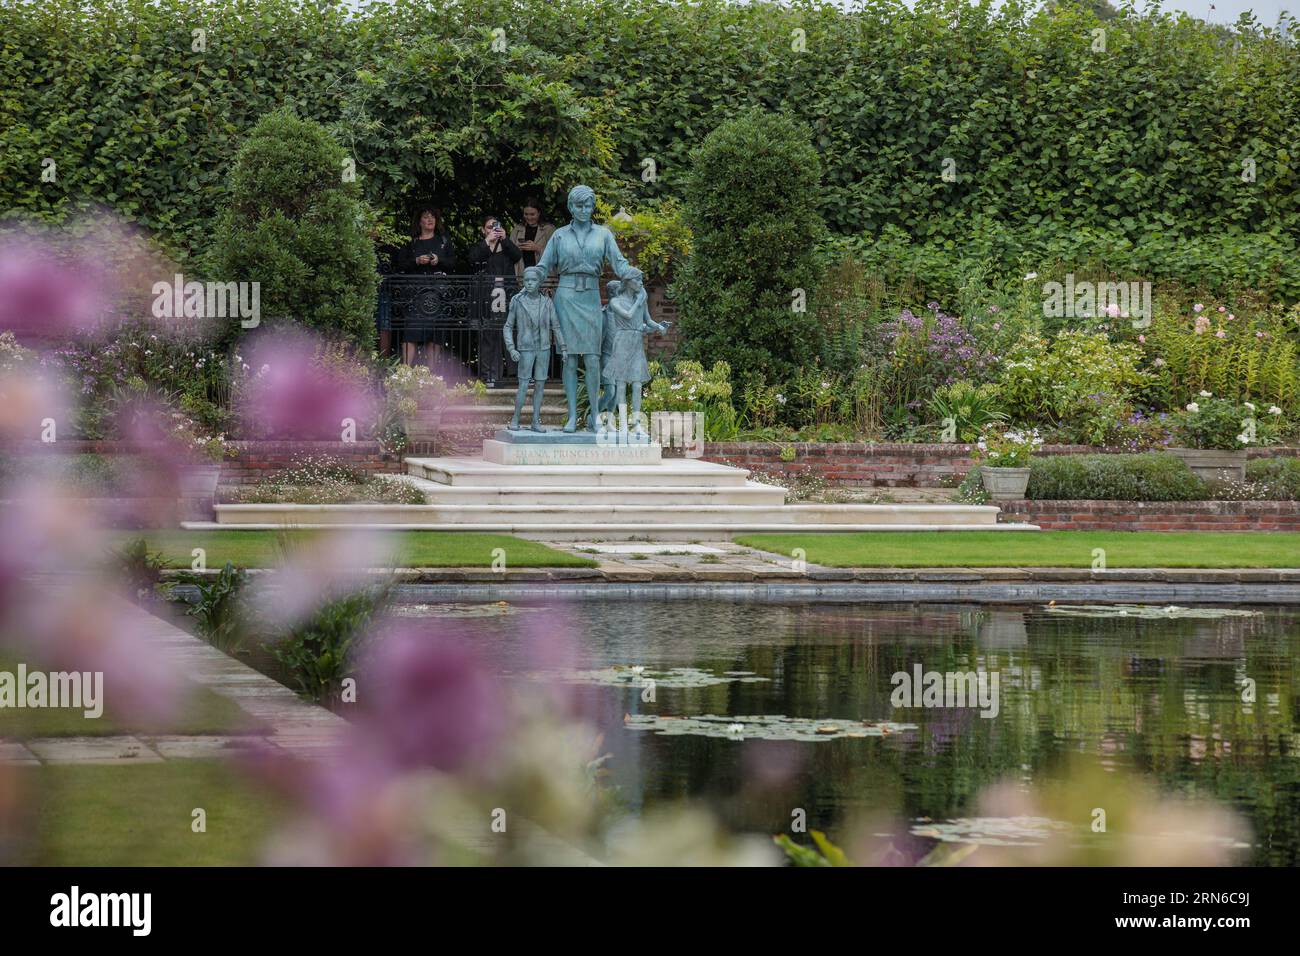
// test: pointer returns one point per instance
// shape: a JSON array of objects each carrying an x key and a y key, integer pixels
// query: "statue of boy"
[
  {"x": 530, "y": 323},
  {"x": 627, "y": 363}
]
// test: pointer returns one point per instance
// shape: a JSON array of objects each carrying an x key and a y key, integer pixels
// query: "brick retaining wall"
[
  {"x": 883, "y": 464},
  {"x": 1156, "y": 515}
]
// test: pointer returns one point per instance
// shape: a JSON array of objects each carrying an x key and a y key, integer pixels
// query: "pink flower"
[
  {"x": 1202, "y": 324},
  {"x": 1220, "y": 334},
  {"x": 297, "y": 397},
  {"x": 1197, "y": 307},
  {"x": 1222, "y": 309},
  {"x": 40, "y": 294},
  {"x": 436, "y": 703}
]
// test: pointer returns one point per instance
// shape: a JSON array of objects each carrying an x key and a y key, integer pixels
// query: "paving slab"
[{"x": 92, "y": 750}]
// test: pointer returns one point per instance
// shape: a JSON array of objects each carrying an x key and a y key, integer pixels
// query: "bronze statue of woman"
[{"x": 578, "y": 253}]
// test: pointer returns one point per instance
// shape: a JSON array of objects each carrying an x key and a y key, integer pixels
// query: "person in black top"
[
  {"x": 428, "y": 253},
  {"x": 495, "y": 254},
  {"x": 493, "y": 259}
]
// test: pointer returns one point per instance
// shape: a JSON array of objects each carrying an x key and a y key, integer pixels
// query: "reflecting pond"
[{"x": 758, "y": 708}]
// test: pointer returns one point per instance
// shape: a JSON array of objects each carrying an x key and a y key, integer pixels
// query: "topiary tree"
[
  {"x": 297, "y": 225},
  {"x": 750, "y": 202}
]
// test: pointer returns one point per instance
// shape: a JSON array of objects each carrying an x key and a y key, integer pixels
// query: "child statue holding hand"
[
  {"x": 627, "y": 362},
  {"x": 530, "y": 323}
]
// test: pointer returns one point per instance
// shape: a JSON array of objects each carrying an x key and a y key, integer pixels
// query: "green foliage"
[
  {"x": 1275, "y": 479},
  {"x": 218, "y": 612},
  {"x": 749, "y": 205},
  {"x": 1245, "y": 351},
  {"x": 1157, "y": 127},
  {"x": 1080, "y": 380},
  {"x": 654, "y": 236},
  {"x": 1148, "y": 477},
  {"x": 689, "y": 387},
  {"x": 968, "y": 407},
  {"x": 294, "y": 223},
  {"x": 1209, "y": 422},
  {"x": 324, "y": 480},
  {"x": 824, "y": 853},
  {"x": 137, "y": 569},
  {"x": 318, "y": 652}
]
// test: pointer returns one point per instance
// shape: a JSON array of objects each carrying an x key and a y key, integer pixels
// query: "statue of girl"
[{"x": 627, "y": 362}]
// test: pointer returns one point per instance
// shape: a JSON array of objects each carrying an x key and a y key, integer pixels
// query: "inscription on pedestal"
[{"x": 512, "y": 453}]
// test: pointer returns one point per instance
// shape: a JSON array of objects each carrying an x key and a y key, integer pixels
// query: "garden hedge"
[{"x": 1165, "y": 126}]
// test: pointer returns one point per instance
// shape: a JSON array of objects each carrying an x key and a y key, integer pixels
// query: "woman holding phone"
[
  {"x": 493, "y": 259},
  {"x": 428, "y": 253}
]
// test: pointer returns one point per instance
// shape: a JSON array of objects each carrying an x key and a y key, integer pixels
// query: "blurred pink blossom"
[{"x": 292, "y": 394}]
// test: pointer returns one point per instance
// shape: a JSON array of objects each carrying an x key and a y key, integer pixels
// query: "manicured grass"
[
  {"x": 411, "y": 549},
  {"x": 140, "y": 815},
  {"x": 1037, "y": 549},
  {"x": 203, "y": 712}
]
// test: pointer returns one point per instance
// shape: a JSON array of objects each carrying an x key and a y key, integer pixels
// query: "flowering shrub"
[
  {"x": 1211, "y": 422},
  {"x": 324, "y": 480},
  {"x": 1006, "y": 447},
  {"x": 936, "y": 348},
  {"x": 1245, "y": 353},
  {"x": 12, "y": 355},
  {"x": 1081, "y": 382},
  {"x": 689, "y": 387}
]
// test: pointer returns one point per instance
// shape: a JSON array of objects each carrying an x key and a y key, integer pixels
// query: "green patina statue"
[
  {"x": 630, "y": 319},
  {"x": 578, "y": 253},
  {"x": 529, "y": 326}
]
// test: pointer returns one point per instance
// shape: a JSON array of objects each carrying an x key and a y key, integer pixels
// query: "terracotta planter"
[
  {"x": 1005, "y": 484},
  {"x": 1213, "y": 464}
]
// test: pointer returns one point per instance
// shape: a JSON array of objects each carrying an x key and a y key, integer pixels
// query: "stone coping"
[{"x": 819, "y": 575}]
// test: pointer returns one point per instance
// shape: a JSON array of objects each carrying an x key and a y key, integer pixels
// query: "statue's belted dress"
[{"x": 579, "y": 260}]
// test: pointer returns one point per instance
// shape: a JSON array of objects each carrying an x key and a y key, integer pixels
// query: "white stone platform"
[{"x": 668, "y": 499}]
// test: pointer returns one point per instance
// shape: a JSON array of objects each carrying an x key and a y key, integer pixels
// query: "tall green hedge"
[
  {"x": 295, "y": 223},
  {"x": 1148, "y": 136},
  {"x": 744, "y": 290}
]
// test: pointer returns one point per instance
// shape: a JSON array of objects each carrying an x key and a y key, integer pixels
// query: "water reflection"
[{"x": 1193, "y": 707}]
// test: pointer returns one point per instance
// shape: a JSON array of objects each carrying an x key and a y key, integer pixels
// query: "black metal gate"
[{"x": 461, "y": 316}]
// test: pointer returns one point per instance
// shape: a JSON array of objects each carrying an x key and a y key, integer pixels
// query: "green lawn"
[
  {"x": 411, "y": 549},
  {"x": 140, "y": 815},
  {"x": 203, "y": 712},
  {"x": 1037, "y": 549}
]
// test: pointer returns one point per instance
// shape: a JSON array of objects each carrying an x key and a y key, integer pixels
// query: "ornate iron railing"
[{"x": 462, "y": 315}]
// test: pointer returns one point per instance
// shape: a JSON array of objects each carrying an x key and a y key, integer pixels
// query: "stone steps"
[
  {"x": 543, "y": 496},
  {"x": 595, "y": 518},
  {"x": 674, "y": 499},
  {"x": 671, "y": 472}
]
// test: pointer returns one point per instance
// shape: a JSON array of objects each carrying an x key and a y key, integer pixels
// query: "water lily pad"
[
  {"x": 1167, "y": 612},
  {"x": 775, "y": 727},
  {"x": 992, "y": 831},
  {"x": 635, "y": 675}
]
